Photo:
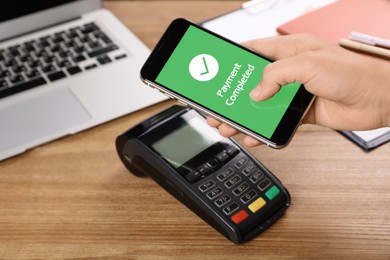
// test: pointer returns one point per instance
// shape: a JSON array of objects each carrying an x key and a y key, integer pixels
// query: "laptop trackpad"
[{"x": 40, "y": 118}]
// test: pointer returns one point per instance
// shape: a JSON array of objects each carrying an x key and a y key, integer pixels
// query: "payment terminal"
[{"x": 212, "y": 175}]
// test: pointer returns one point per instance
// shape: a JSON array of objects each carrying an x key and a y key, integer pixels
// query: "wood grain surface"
[{"x": 73, "y": 199}]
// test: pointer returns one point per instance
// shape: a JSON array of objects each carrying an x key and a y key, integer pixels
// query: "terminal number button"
[
  {"x": 222, "y": 200},
  {"x": 240, "y": 189},
  {"x": 241, "y": 162},
  {"x": 231, "y": 208},
  {"x": 256, "y": 177},
  {"x": 214, "y": 193},
  {"x": 249, "y": 196},
  {"x": 223, "y": 175},
  {"x": 264, "y": 184},
  {"x": 249, "y": 169},
  {"x": 233, "y": 181},
  {"x": 207, "y": 185}
]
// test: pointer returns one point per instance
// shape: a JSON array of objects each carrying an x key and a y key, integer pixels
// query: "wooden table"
[{"x": 73, "y": 198}]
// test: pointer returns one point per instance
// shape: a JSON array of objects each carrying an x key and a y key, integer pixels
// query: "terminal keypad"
[{"x": 239, "y": 188}]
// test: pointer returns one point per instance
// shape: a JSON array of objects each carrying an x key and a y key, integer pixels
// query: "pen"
[
  {"x": 364, "y": 48},
  {"x": 252, "y": 3},
  {"x": 255, "y": 6},
  {"x": 368, "y": 39}
]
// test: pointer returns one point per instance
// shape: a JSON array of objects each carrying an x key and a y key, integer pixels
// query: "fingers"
[
  {"x": 268, "y": 87},
  {"x": 281, "y": 73},
  {"x": 251, "y": 142},
  {"x": 213, "y": 122},
  {"x": 295, "y": 62},
  {"x": 228, "y": 131},
  {"x": 289, "y": 66},
  {"x": 224, "y": 129}
]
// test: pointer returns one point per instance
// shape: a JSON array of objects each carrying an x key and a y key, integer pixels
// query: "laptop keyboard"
[{"x": 46, "y": 59}]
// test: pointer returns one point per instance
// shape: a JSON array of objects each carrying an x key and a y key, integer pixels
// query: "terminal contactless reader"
[{"x": 212, "y": 175}]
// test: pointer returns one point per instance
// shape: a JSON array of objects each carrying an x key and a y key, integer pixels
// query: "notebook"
[
  {"x": 65, "y": 66},
  {"x": 338, "y": 19},
  {"x": 368, "y": 140}
]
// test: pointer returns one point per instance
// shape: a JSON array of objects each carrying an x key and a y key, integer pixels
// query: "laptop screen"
[
  {"x": 17, "y": 8},
  {"x": 19, "y": 17}
]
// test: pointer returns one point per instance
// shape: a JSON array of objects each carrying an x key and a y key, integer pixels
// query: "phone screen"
[{"x": 219, "y": 75}]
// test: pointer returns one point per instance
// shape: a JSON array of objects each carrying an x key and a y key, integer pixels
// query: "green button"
[{"x": 272, "y": 193}]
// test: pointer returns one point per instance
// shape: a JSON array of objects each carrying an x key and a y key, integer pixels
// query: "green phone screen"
[{"x": 219, "y": 76}]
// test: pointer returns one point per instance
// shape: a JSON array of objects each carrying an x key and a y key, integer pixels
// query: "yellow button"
[{"x": 257, "y": 204}]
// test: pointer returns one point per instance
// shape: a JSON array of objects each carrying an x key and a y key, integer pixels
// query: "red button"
[{"x": 239, "y": 217}]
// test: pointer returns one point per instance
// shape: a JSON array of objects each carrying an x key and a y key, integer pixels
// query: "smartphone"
[
  {"x": 215, "y": 76},
  {"x": 214, "y": 176}
]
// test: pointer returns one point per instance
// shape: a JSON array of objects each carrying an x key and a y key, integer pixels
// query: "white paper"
[{"x": 372, "y": 134}]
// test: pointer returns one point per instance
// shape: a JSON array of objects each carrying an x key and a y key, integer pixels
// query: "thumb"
[{"x": 279, "y": 74}]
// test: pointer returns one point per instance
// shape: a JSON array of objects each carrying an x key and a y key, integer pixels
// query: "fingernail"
[{"x": 255, "y": 93}]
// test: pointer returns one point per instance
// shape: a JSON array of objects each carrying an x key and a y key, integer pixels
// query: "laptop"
[{"x": 65, "y": 66}]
